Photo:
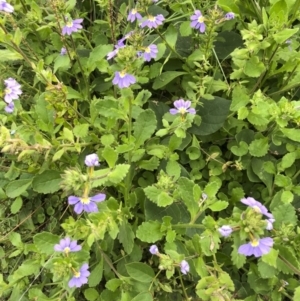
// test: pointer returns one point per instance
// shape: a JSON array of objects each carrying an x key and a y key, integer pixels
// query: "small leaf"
[
  {"x": 259, "y": 147},
  {"x": 45, "y": 242},
  {"x": 126, "y": 237},
  {"x": 16, "y": 205},
  {"x": 140, "y": 272},
  {"x": 17, "y": 187},
  {"x": 47, "y": 182},
  {"x": 166, "y": 78},
  {"x": 218, "y": 206},
  {"x": 81, "y": 130},
  {"x": 119, "y": 173},
  {"x": 149, "y": 232},
  {"x": 110, "y": 156},
  {"x": 96, "y": 274}
]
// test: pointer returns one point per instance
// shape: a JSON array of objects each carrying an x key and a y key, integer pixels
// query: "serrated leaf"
[
  {"x": 152, "y": 193},
  {"x": 144, "y": 127},
  {"x": 58, "y": 155},
  {"x": 285, "y": 214},
  {"x": 149, "y": 232},
  {"x": 110, "y": 156},
  {"x": 271, "y": 258},
  {"x": 140, "y": 272},
  {"x": 45, "y": 242},
  {"x": 286, "y": 260},
  {"x": 259, "y": 147},
  {"x": 126, "y": 237},
  {"x": 293, "y": 134},
  {"x": 266, "y": 271},
  {"x": 81, "y": 130},
  {"x": 47, "y": 182},
  {"x": 119, "y": 173},
  {"x": 164, "y": 199}
]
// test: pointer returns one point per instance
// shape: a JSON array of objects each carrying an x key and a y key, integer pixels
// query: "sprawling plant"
[{"x": 149, "y": 150}]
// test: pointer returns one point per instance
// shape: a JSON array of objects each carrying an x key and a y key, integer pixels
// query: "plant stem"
[
  {"x": 190, "y": 225},
  {"x": 183, "y": 287}
]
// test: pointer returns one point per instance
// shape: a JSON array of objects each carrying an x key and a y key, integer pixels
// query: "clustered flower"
[
  {"x": 72, "y": 26},
  {"x": 12, "y": 92},
  {"x": 182, "y": 107},
  {"x": 79, "y": 277},
  {"x": 256, "y": 246},
  {"x": 5, "y": 7}
]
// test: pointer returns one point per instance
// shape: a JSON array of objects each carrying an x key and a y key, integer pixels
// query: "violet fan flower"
[
  {"x": 182, "y": 107},
  {"x": 81, "y": 277},
  {"x": 92, "y": 160},
  {"x": 134, "y": 15},
  {"x": 154, "y": 250},
  {"x": 150, "y": 52},
  {"x": 256, "y": 247},
  {"x": 12, "y": 90},
  {"x": 63, "y": 51},
  {"x": 66, "y": 245},
  {"x": 123, "y": 79},
  {"x": 184, "y": 267},
  {"x": 257, "y": 206},
  {"x": 10, "y": 107},
  {"x": 230, "y": 16},
  {"x": 87, "y": 204},
  {"x": 153, "y": 21},
  {"x": 72, "y": 26},
  {"x": 113, "y": 53},
  {"x": 121, "y": 41},
  {"x": 270, "y": 221},
  {"x": 5, "y": 7},
  {"x": 198, "y": 21},
  {"x": 225, "y": 230}
]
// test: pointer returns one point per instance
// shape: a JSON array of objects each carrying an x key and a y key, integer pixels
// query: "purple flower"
[
  {"x": 270, "y": 221},
  {"x": 87, "y": 204},
  {"x": 154, "y": 250},
  {"x": 63, "y": 51},
  {"x": 257, "y": 206},
  {"x": 113, "y": 53},
  {"x": 10, "y": 107},
  {"x": 121, "y": 41},
  {"x": 184, "y": 267},
  {"x": 153, "y": 22},
  {"x": 154, "y": 1},
  {"x": 134, "y": 15},
  {"x": 204, "y": 196},
  {"x": 229, "y": 16},
  {"x": 80, "y": 277},
  {"x": 182, "y": 107},
  {"x": 123, "y": 79},
  {"x": 72, "y": 26},
  {"x": 225, "y": 230},
  {"x": 198, "y": 21},
  {"x": 256, "y": 247},
  {"x": 92, "y": 160},
  {"x": 12, "y": 90},
  {"x": 150, "y": 52},
  {"x": 4, "y": 6},
  {"x": 66, "y": 245}
]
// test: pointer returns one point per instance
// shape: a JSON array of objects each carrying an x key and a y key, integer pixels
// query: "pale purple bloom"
[
  {"x": 229, "y": 16},
  {"x": 134, "y": 15},
  {"x": 4, "y": 6},
  {"x": 123, "y": 79},
  {"x": 80, "y": 277},
  {"x": 150, "y": 52},
  {"x": 153, "y": 21},
  {"x": 113, "y": 53},
  {"x": 256, "y": 247},
  {"x": 72, "y": 26},
  {"x": 87, "y": 204},
  {"x": 270, "y": 221},
  {"x": 184, "y": 267},
  {"x": 198, "y": 21},
  {"x": 154, "y": 1},
  {"x": 182, "y": 107},
  {"x": 92, "y": 160},
  {"x": 121, "y": 41},
  {"x": 204, "y": 196},
  {"x": 257, "y": 206},
  {"x": 12, "y": 90},
  {"x": 66, "y": 245},
  {"x": 154, "y": 250},
  {"x": 10, "y": 107},
  {"x": 225, "y": 230},
  {"x": 63, "y": 51}
]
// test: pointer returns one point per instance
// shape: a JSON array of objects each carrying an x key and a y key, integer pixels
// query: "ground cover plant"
[{"x": 149, "y": 150}]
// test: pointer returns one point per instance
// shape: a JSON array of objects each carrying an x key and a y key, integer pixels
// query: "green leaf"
[
  {"x": 293, "y": 134},
  {"x": 241, "y": 149},
  {"x": 283, "y": 181},
  {"x": 68, "y": 134},
  {"x": 15, "y": 239},
  {"x": 98, "y": 53},
  {"x": 126, "y": 237},
  {"x": 61, "y": 62},
  {"x": 259, "y": 147},
  {"x": 240, "y": 98},
  {"x": 185, "y": 29},
  {"x": 254, "y": 67},
  {"x": 151, "y": 164},
  {"x": 45, "y": 242},
  {"x": 166, "y": 78},
  {"x": 271, "y": 258},
  {"x": 17, "y": 187},
  {"x": 228, "y": 6},
  {"x": 171, "y": 35},
  {"x": 140, "y": 272},
  {"x": 284, "y": 214},
  {"x": 213, "y": 114},
  {"x": 110, "y": 156},
  {"x": 152, "y": 193},
  {"x": 288, "y": 160},
  {"x": 286, "y": 259},
  {"x": 28, "y": 267},
  {"x": 265, "y": 270},
  {"x": 81, "y": 130},
  {"x": 285, "y": 34},
  {"x": 8, "y": 55},
  {"x": 149, "y": 232},
  {"x": 173, "y": 169},
  {"x": 91, "y": 294},
  {"x": 47, "y": 182},
  {"x": 212, "y": 188},
  {"x": 145, "y": 296},
  {"x": 119, "y": 173},
  {"x": 144, "y": 127},
  {"x": 113, "y": 284},
  {"x": 96, "y": 274},
  {"x": 218, "y": 206},
  {"x": 16, "y": 205},
  {"x": 164, "y": 199},
  {"x": 297, "y": 294}
]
